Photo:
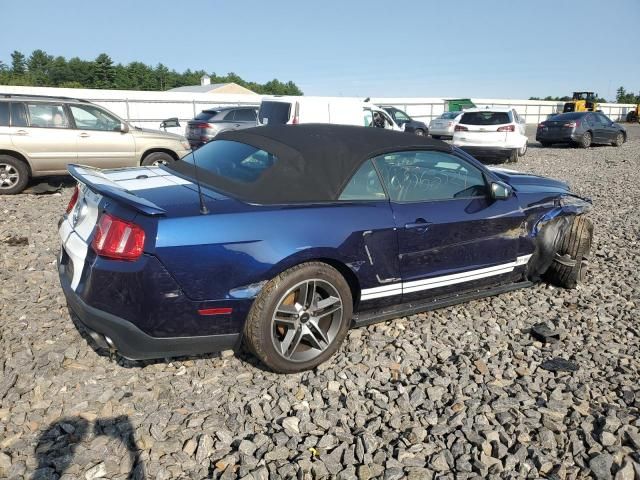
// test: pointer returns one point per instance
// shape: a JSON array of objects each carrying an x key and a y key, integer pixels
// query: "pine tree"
[
  {"x": 103, "y": 72},
  {"x": 18, "y": 63}
]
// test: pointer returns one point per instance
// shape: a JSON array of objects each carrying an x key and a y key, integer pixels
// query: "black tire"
[
  {"x": 545, "y": 144},
  {"x": 619, "y": 140},
  {"x": 259, "y": 331},
  {"x": 420, "y": 132},
  {"x": 513, "y": 156},
  {"x": 437, "y": 137},
  {"x": 570, "y": 264},
  {"x": 14, "y": 175},
  {"x": 156, "y": 158},
  {"x": 586, "y": 140},
  {"x": 632, "y": 116},
  {"x": 523, "y": 151}
]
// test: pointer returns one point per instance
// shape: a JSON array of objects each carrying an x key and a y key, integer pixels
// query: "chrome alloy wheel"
[
  {"x": 9, "y": 176},
  {"x": 306, "y": 320}
]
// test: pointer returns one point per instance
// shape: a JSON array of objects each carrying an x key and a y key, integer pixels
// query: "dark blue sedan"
[{"x": 284, "y": 237}]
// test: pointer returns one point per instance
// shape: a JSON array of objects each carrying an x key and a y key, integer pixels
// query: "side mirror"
[
  {"x": 124, "y": 128},
  {"x": 500, "y": 191}
]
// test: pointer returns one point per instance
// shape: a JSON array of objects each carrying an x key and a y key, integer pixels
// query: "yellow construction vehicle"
[
  {"x": 634, "y": 115},
  {"x": 582, "y": 102}
]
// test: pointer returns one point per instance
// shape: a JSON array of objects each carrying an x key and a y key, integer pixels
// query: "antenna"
[{"x": 203, "y": 208}]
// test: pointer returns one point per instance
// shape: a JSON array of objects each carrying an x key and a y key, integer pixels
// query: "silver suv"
[
  {"x": 40, "y": 136},
  {"x": 208, "y": 123}
]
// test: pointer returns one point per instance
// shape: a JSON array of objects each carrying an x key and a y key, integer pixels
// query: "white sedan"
[
  {"x": 444, "y": 125},
  {"x": 491, "y": 133}
]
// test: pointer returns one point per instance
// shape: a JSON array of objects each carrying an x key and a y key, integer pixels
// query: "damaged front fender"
[{"x": 549, "y": 230}]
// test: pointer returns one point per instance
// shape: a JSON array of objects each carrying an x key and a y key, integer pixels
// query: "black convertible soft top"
[{"x": 314, "y": 161}]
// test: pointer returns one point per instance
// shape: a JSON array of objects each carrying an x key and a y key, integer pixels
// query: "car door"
[
  {"x": 41, "y": 130},
  {"x": 605, "y": 128},
  {"x": 244, "y": 118},
  {"x": 100, "y": 142},
  {"x": 452, "y": 236}
]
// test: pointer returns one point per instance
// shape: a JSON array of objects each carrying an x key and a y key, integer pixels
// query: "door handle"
[
  {"x": 22, "y": 132},
  {"x": 420, "y": 223},
  {"x": 84, "y": 135}
]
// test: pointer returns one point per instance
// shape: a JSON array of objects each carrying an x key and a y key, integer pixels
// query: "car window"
[
  {"x": 4, "y": 114},
  {"x": 449, "y": 115},
  {"x": 229, "y": 116},
  {"x": 47, "y": 115},
  {"x": 485, "y": 118},
  {"x": 18, "y": 115},
  {"x": 274, "y": 113},
  {"x": 233, "y": 160},
  {"x": 245, "y": 115},
  {"x": 206, "y": 115},
  {"x": 425, "y": 176},
  {"x": 364, "y": 185},
  {"x": 88, "y": 117},
  {"x": 603, "y": 119},
  {"x": 400, "y": 115}
]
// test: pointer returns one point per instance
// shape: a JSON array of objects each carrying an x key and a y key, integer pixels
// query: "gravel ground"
[{"x": 455, "y": 393}]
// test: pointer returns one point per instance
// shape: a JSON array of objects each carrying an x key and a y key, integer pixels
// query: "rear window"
[
  {"x": 485, "y": 118},
  {"x": 568, "y": 116},
  {"x": 234, "y": 161},
  {"x": 274, "y": 113},
  {"x": 4, "y": 114},
  {"x": 206, "y": 115}
]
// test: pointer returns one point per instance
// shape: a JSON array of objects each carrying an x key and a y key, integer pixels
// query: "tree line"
[{"x": 43, "y": 70}]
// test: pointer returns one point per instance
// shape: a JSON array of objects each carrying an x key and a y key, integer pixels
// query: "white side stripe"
[{"x": 442, "y": 281}]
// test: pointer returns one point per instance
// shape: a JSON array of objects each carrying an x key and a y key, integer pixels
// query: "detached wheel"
[
  {"x": 156, "y": 158},
  {"x": 14, "y": 175},
  {"x": 420, "y": 132},
  {"x": 585, "y": 141},
  {"x": 300, "y": 318},
  {"x": 619, "y": 140},
  {"x": 570, "y": 263}
]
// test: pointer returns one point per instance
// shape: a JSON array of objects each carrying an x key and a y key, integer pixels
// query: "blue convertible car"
[{"x": 283, "y": 237}]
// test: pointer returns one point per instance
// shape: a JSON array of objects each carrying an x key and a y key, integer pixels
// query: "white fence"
[{"x": 148, "y": 109}]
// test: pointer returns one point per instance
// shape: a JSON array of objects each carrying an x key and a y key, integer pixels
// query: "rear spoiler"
[{"x": 98, "y": 182}]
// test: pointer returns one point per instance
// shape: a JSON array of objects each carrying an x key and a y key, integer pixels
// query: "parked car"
[
  {"x": 209, "y": 123},
  {"x": 582, "y": 129},
  {"x": 299, "y": 233},
  {"x": 294, "y": 110},
  {"x": 444, "y": 125},
  {"x": 492, "y": 133},
  {"x": 40, "y": 136},
  {"x": 405, "y": 121},
  {"x": 172, "y": 125}
]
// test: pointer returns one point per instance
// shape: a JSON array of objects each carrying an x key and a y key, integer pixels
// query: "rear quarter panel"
[{"x": 224, "y": 255}]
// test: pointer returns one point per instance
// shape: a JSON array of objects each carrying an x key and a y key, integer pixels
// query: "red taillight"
[
  {"x": 571, "y": 124},
  {"x": 215, "y": 311},
  {"x": 460, "y": 128},
  {"x": 203, "y": 125},
  {"x": 507, "y": 128},
  {"x": 74, "y": 199},
  {"x": 296, "y": 115},
  {"x": 541, "y": 125},
  {"x": 118, "y": 239}
]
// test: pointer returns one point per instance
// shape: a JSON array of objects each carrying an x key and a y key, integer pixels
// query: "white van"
[{"x": 343, "y": 111}]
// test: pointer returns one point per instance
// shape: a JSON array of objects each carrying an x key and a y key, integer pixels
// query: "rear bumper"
[
  {"x": 133, "y": 343},
  {"x": 482, "y": 152},
  {"x": 557, "y": 137}
]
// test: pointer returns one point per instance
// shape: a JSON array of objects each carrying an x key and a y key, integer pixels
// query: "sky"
[{"x": 459, "y": 48}]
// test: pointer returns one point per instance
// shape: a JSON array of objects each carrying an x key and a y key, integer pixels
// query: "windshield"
[
  {"x": 234, "y": 161},
  {"x": 485, "y": 118},
  {"x": 274, "y": 113}
]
